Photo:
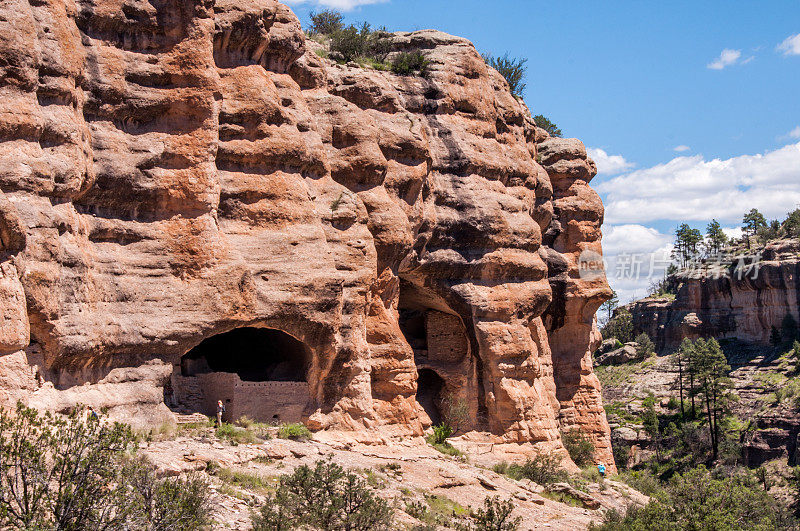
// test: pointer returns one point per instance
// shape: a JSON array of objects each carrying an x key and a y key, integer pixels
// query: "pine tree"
[
  {"x": 791, "y": 225},
  {"x": 687, "y": 240},
  {"x": 752, "y": 222},
  {"x": 679, "y": 361},
  {"x": 717, "y": 239},
  {"x": 688, "y": 352},
  {"x": 714, "y": 386},
  {"x": 610, "y": 305}
]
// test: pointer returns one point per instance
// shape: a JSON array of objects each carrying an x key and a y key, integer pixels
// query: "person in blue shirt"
[{"x": 602, "y": 469}]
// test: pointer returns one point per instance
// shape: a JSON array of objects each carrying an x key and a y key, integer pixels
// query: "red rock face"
[{"x": 177, "y": 170}]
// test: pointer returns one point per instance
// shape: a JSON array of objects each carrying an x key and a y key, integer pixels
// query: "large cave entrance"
[
  {"x": 448, "y": 377},
  {"x": 260, "y": 373},
  {"x": 254, "y": 354}
]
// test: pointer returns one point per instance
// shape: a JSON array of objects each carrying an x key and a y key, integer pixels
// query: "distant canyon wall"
[{"x": 736, "y": 299}]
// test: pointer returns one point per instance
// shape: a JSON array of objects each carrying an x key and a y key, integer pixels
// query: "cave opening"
[
  {"x": 254, "y": 354},
  {"x": 429, "y": 394},
  {"x": 412, "y": 324},
  {"x": 448, "y": 379},
  {"x": 260, "y": 373}
]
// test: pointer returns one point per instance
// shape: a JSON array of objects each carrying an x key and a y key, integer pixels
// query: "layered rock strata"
[
  {"x": 742, "y": 297},
  {"x": 172, "y": 171}
]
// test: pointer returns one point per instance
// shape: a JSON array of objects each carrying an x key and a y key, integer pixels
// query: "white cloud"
[
  {"x": 344, "y": 5},
  {"x": 609, "y": 164},
  {"x": 790, "y": 46},
  {"x": 681, "y": 148},
  {"x": 635, "y": 256},
  {"x": 794, "y": 133},
  {"x": 695, "y": 189},
  {"x": 726, "y": 58},
  {"x": 733, "y": 232}
]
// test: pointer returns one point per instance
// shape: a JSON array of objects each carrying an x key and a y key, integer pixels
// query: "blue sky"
[{"x": 720, "y": 80}]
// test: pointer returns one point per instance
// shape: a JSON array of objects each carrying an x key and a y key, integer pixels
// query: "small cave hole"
[{"x": 429, "y": 393}]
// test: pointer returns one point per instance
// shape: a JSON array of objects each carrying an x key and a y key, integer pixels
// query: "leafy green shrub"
[
  {"x": 324, "y": 497},
  {"x": 438, "y": 439},
  {"x": 350, "y": 43},
  {"x": 418, "y": 510},
  {"x": 542, "y": 469},
  {"x": 644, "y": 346},
  {"x": 326, "y": 22},
  {"x": 236, "y": 435},
  {"x": 673, "y": 403},
  {"x": 162, "y": 505},
  {"x": 437, "y": 511},
  {"x": 406, "y": 64},
  {"x": 440, "y": 434},
  {"x": 579, "y": 447},
  {"x": 245, "y": 480},
  {"x": 700, "y": 499},
  {"x": 69, "y": 473},
  {"x": 296, "y": 432},
  {"x": 642, "y": 480},
  {"x": 226, "y": 431},
  {"x": 495, "y": 515},
  {"x": 512, "y": 69},
  {"x": 544, "y": 122},
  {"x": 619, "y": 327},
  {"x": 55, "y": 472}
]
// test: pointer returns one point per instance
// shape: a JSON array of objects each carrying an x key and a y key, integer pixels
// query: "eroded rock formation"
[
  {"x": 742, "y": 297},
  {"x": 177, "y": 170}
]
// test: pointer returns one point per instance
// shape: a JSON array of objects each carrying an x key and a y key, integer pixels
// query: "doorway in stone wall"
[
  {"x": 429, "y": 394},
  {"x": 260, "y": 373}
]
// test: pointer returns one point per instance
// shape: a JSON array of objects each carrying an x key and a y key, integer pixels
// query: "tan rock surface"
[{"x": 176, "y": 171}]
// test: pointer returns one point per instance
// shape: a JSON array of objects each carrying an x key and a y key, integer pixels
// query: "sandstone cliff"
[
  {"x": 741, "y": 297},
  {"x": 172, "y": 171}
]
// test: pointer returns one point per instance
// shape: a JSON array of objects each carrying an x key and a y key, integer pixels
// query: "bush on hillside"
[
  {"x": 644, "y": 346},
  {"x": 324, "y": 497},
  {"x": 440, "y": 434},
  {"x": 700, "y": 499},
  {"x": 76, "y": 473},
  {"x": 326, "y": 22},
  {"x": 406, "y": 64},
  {"x": 351, "y": 43},
  {"x": 512, "y": 69},
  {"x": 579, "y": 447},
  {"x": 544, "y": 122},
  {"x": 543, "y": 469},
  {"x": 295, "y": 431},
  {"x": 495, "y": 515}
]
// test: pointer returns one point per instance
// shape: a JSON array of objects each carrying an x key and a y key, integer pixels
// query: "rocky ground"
[{"x": 241, "y": 474}]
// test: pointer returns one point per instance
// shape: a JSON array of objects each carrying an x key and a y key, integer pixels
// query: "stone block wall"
[{"x": 261, "y": 401}]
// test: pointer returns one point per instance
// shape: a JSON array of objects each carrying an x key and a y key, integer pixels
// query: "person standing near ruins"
[{"x": 220, "y": 411}]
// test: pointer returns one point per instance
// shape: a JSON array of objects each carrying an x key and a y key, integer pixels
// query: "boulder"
[{"x": 621, "y": 355}]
